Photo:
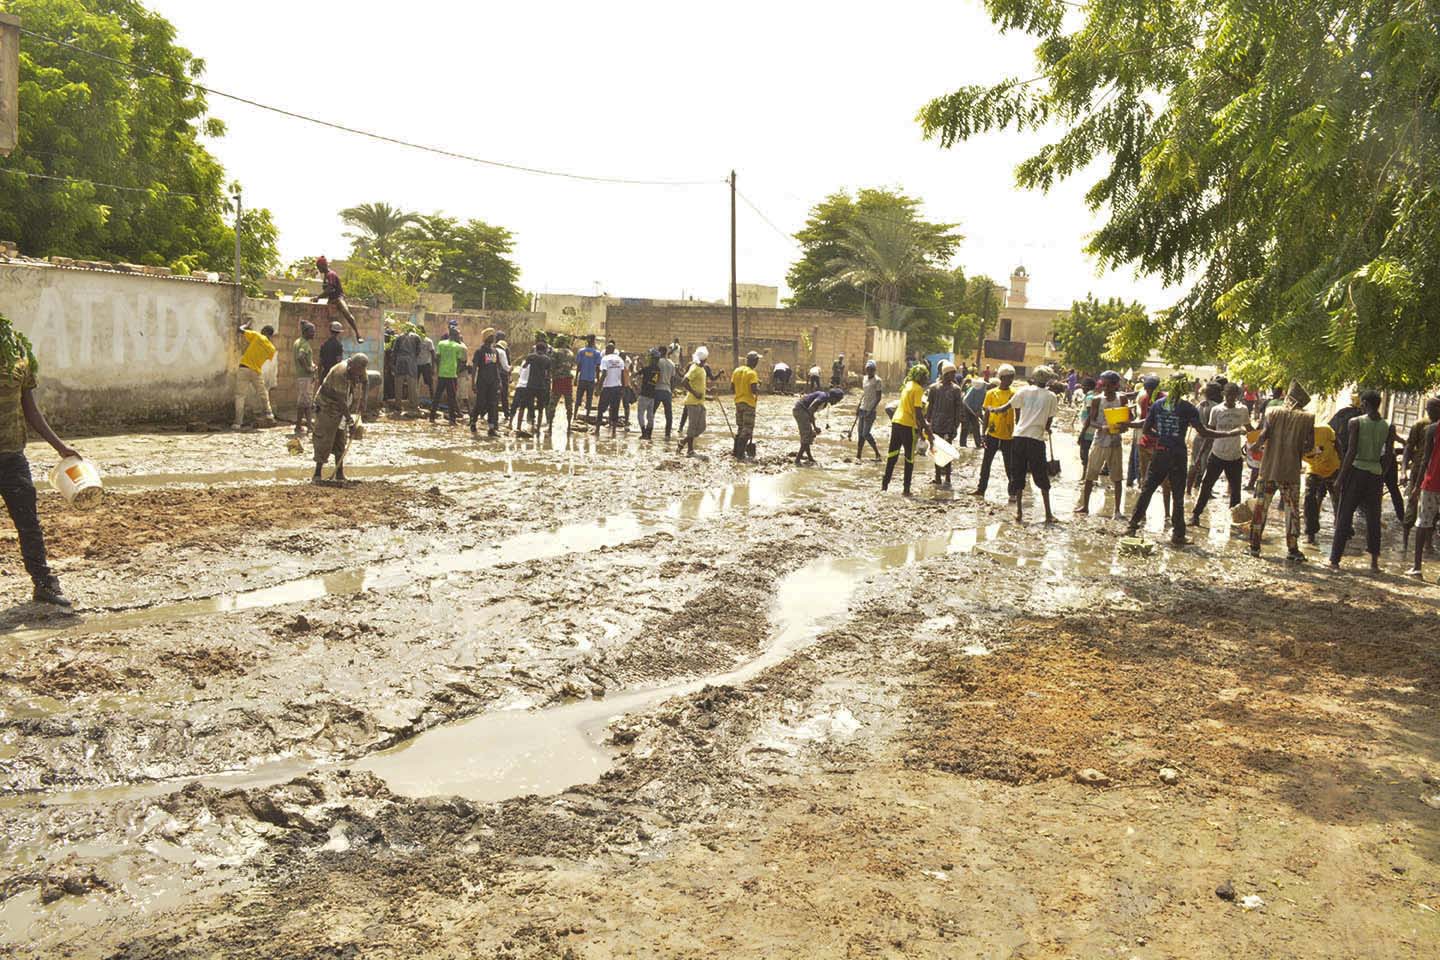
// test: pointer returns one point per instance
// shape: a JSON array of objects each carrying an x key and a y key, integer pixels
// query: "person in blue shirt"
[
  {"x": 971, "y": 422},
  {"x": 1167, "y": 421},
  {"x": 587, "y": 367}
]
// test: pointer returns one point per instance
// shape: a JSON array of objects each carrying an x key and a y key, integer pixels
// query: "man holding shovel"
[
  {"x": 341, "y": 394},
  {"x": 744, "y": 381}
]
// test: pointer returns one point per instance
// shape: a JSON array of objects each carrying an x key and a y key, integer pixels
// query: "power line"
[
  {"x": 382, "y": 138},
  {"x": 97, "y": 183}
]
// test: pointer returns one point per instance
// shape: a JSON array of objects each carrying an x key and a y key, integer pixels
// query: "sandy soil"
[{"x": 899, "y": 773}]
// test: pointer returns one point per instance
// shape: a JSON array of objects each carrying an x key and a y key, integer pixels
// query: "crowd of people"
[{"x": 1352, "y": 460}]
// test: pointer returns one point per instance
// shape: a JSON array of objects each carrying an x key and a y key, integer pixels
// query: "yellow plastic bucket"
[
  {"x": 78, "y": 481},
  {"x": 1117, "y": 417}
]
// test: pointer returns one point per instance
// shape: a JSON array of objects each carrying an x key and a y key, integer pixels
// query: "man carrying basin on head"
[
  {"x": 17, "y": 410},
  {"x": 341, "y": 395}
]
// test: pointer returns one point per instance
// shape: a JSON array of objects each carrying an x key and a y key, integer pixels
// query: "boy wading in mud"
[
  {"x": 18, "y": 409},
  {"x": 341, "y": 394}
]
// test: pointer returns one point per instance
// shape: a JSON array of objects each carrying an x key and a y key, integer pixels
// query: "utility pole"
[
  {"x": 734, "y": 299},
  {"x": 239, "y": 281},
  {"x": 984, "y": 326}
]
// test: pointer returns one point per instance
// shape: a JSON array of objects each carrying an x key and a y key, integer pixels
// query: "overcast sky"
[{"x": 802, "y": 98}]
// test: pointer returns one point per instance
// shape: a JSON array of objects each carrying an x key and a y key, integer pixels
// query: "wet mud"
[{"x": 567, "y": 697}]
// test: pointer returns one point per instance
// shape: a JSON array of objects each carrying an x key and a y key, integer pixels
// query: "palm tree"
[
  {"x": 884, "y": 256},
  {"x": 378, "y": 227}
]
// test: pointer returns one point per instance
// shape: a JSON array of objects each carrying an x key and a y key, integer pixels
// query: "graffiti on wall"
[{"x": 97, "y": 331}]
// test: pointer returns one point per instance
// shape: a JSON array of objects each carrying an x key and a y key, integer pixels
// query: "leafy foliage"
[
  {"x": 478, "y": 268},
  {"x": 110, "y": 123},
  {"x": 434, "y": 252},
  {"x": 377, "y": 232},
  {"x": 1095, "y": 334},
  {"x": 1278, "y": 158},
  {"x": 873, "y": 254}
]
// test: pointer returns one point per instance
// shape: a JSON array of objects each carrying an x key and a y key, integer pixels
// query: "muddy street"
[{"x": 567, "y": 696}]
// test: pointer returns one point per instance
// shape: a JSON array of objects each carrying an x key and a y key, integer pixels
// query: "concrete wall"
[
  {"x": 801, "y": 338},
  {"x": 117, "y": 348},
  {"x": 285, "y": 317},
  {"x": 887, "y": 348},
  {"x": 572, "y": 314}
]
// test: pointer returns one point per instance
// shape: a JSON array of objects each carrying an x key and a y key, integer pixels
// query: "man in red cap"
[{"x": 335, "y": 294}]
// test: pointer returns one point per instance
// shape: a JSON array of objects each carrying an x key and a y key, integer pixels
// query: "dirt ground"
[{"x": 569, "y": 697}]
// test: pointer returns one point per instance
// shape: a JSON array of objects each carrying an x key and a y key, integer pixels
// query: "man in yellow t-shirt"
[
  {"x": 256, "y": 349},
  {"x": 694, "y": 384},
  {"x": 1323, "y": 462},
  {"x": 908, "y": 421},
  {"x": 743, "y": 381},
  {"x": 1001, "y": 427}
]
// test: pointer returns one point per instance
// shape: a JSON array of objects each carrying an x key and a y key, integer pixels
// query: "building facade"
[{"x": 1024, "y": 336}]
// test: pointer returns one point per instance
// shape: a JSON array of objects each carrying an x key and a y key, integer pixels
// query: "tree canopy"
[
  {"x": 470, "y": 260},
  {"x": 90, "y": 121},
  {"x": 1092, "y": 334},
  {"x": 874, "y": 254},
  {"x": 1277, "y": 158}
]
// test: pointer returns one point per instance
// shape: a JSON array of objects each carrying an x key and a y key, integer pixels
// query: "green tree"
[
  {"x": 380, "y": 288},
  {"x": 479, "y": 269},
  {"x": 377, "y": 232},
  {"x": 981, "y": 300},
  {"x": 873, "y": 253},
  {"x": 1277, "y": 158},
  {"x": 91, "y": 122},
  {"x": 1093, "y": 334}
]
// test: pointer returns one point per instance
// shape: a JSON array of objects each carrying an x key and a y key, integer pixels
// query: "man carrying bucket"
[
  {"x": 17, "y": 409},
  {"x": 943, "y": 408}
]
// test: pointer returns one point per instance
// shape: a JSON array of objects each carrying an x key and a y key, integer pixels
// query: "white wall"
[{"x": 116, "y": 348}]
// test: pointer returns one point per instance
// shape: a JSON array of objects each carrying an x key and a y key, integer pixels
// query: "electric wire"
[{"x": 369, "y": 134}]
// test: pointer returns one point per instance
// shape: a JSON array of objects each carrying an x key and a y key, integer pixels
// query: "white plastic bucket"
[
  {"x": 78, "y": 480},
  {"x": 945, "y": 452}
]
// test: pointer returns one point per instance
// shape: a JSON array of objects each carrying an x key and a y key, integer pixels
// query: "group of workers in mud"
[{"x": 1351, "y": 460}]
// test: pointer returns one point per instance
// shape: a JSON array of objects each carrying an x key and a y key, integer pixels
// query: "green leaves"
[
  {"x": 1093, "y": 334},
  {"x": 1279, "y": 159},
  {"x": 874, "y": 254},
  {"x": 110, "y": 123}
]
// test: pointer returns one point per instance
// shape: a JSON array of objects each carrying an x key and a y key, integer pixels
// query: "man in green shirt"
[
  {"x": 449, "y": 355},
  {"x": 304, "y": 358},
  {"x": 17, "y": 411}
]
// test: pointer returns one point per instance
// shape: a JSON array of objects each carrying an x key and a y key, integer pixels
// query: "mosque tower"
[{"x": 1017, "y": 297}]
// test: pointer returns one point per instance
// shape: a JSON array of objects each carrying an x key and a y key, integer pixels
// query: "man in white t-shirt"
[
  {"x": 1035, "y": 407},
  {"x": 612, "y": 386}
]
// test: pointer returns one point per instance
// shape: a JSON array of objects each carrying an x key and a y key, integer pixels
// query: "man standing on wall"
[
  {"x": 18, "y": 369},
  {"x": 837, "y": 372},
  {"x": 304, "y": 362},
  {"x": 256, "y": 349},
  {"x": 335, "y": 294}
]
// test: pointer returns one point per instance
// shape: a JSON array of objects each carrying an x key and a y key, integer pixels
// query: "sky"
[{"x": 801, "y": 99}]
